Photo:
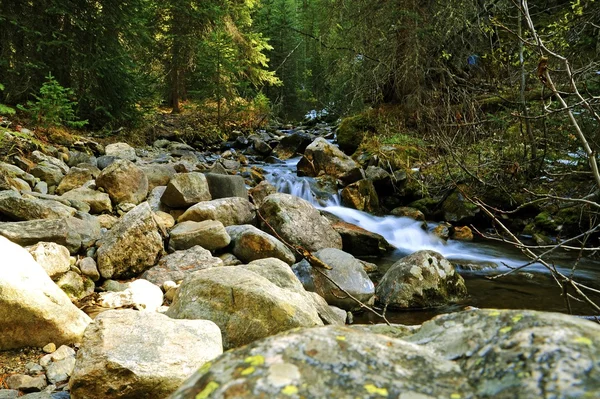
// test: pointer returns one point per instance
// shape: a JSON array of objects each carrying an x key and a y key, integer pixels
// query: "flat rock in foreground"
[{"x": 146, "y": 355}]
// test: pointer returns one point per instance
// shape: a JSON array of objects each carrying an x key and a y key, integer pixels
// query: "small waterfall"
[{"x": 404, "y": 233}]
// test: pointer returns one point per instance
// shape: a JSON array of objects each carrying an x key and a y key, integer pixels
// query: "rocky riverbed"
[{"x": 126, "y": 273}]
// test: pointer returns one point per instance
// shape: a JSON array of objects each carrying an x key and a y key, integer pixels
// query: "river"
[{"x": 530, "y": 288}]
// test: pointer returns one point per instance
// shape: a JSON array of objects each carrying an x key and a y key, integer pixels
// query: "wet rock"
[
  {"x": 97, "y": 201},
  {"x": 321, "y": 157},
  {"x": 76, "y": 178},
  {"x": 250, "y": 243},
  {"x": 209, "y": 234},
  {"x": 131, "y": 246},
  {"x": 463, "y": 233},
  {"x": 225, "y": 186},
  {"x": 72, "y": 232},
  {"x": 261, "y": 191},
  {"x": 298, "y": 223},
  {"x": 186, "y": 189},
  {"x": 175, "y": 266},
  {"x": 457, "y": 209},
  {"x": 442, "y": 231},
  {"x": 328, "y": 362},
  {"x": 518, "y": 353},
  {"x": 232, "y": 296},
  {"x": 405, "y": 211},
  {"x": 360, "y": 242},
  {"x": 130, "y": 354},
  {"x": 422, "y": 280},
  {"x": 347, "y": 272},
  {"x": 17, "y": 207},
  {"x": 229, "y": 211},
  {"x": 121, "y": 151},
  {"x": 362, "y": 196},
  {"x": 54, "y": 258},
  {"x": 293, "y": 144},
  {"x": 124, "y": 182},
  {"x": 33, "y": 310}
]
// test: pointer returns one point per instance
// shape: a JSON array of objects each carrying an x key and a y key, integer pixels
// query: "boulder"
[
  {"x": 245, "y": 305},
  {"x": 131, "y": 354},
  {"x": 73, "y": 233},
  {"x": 54, "y": 258},
  {"x": 120, "y": 150},
  {"x": 97, "y": 201},
  {"x": 518, "y": 353},
  {"x": 229, "y": 211},
  {"x": 132, "y": 246},
  {"x": 422, "y": 280},
  {"x": 261, "y": 191},
  {"x": 9, "y": 171},
  {"x": 209, "y": 234},
  {"x": 175, "y": 266},
  {"x": 328, "y": 362},
  {"x": 293, "y": 144},
  {"x": 157, "y": 174},
  {"x": 360, "y": 242},
  {"x": 123, "y": 181},
  {"x": 280, "y": 274},
  {"x": 322, "y": 157},
  {"x": 362, "y": 196},
  {"x": 33, "y": 310},
  {"x": 18, "y": 207},
  {"x": 186, "y": 189},
  {"x": 76, "y": 178},
  {"x": 42, "y": 158},
  {"x": 405, "y": 211},
  {"x": 457, "y": 209},
  {"x": 250, "y": 243},
  {"x": 298, "y": 223},
  {"x": 225, "y": 186},
  {"x": 347, "y": 272},
  {"x": 51, "y": 174},
  {"x": 463, "y": 233}
]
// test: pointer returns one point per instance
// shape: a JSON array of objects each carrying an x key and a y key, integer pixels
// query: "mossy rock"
[
  {"x": 351, "y": 132},
  {"x": 545, "y": 221},
  {"x": 426, "y": 205}
]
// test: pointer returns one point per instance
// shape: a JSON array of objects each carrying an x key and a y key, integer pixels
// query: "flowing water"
[{"x": 531, "y": 288}]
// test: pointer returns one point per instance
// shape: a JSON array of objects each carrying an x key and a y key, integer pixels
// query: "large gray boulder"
[
  {"x": 346, "y": 271},
  {"x": 229, "y": 211},
  {"x": 120, "y": 150},
  {"x": 131, "y": 354},
  {"x": 225, "y": 186},
  {"x": 186, "y": 189},
  {"x": 132, "y": 246},
  {"x": 360, "y": 242},
  {"x": 421, "y": 280},
  {"x": 250, "y": 243},
  {"x": 209, "y": 234},
  {"x": 97, "y": 201},
  {"x": 293, "y": 144},
  {"x": 33, "y": 310},
  {"x": 245, "y": 305},
  {"x": 175, "y": 266},
  {"x": 73, "y": 232},
  {"x": 298, "y": 223},
  {"x": 518, "y": 353},
  {"x": 328, "y": 362},
  {"x": 18, "y": 207},
  {"x": 362, "y": 196},
  {"x": 158, "y": 174},
  {"x": 324, "y": 158},
  {"x": 123, "y": 181}
]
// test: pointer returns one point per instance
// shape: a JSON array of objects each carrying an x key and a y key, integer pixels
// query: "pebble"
[{"x": 51, "y": 347}]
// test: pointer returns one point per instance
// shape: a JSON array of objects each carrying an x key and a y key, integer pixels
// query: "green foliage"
[
  {"x": 5, "y": 109},
  {"x": 54, "y": 106}
]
